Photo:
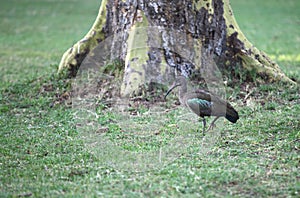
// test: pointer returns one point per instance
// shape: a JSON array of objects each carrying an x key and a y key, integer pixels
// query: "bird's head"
[{"x": 179, "y": 81}]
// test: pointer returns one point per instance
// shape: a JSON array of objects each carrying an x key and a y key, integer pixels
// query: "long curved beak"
[{"x": 171, "y": 88}]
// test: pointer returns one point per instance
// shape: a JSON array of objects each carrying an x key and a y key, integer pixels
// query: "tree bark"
[{"x": 156, "y": 38}]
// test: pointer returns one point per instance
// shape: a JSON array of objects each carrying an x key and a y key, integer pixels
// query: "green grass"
[
  {"x": 273, "y": 28},
  {"x": 34, "y": 34},
  {"x": 42, "y": 153}
]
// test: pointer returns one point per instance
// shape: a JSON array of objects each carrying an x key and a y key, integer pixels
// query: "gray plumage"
[{"x": 204, "y": 103}]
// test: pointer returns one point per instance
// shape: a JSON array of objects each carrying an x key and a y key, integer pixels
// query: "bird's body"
[{"x": 204, "y": 103}]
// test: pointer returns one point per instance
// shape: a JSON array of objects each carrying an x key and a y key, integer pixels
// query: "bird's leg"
[
  {"x": 204, "y": 125},
  {"x": 212, "y": 125}
]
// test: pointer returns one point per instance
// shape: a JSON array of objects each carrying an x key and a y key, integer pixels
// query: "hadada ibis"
[{"x": 204, "y": 103}]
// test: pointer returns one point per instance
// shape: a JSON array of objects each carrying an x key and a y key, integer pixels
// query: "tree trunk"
[{"x": 157, "y": 38}]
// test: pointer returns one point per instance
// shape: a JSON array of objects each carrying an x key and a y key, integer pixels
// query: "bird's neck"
[{"x": 182, "y": 93}]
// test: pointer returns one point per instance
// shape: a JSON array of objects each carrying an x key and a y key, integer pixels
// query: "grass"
[
  {"x": 42, "y": 153},
  {"x": 273, "y": 29},
  {"x": 34, "y": 34}
]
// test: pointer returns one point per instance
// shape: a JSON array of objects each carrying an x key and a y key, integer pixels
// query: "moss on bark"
[{"x": 205, "y": 27}]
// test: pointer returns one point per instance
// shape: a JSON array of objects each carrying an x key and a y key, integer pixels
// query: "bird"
[{"x": 203, "y": 103}]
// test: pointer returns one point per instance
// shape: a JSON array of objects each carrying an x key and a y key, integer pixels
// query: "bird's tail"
[{"x": 232, "y": 115}]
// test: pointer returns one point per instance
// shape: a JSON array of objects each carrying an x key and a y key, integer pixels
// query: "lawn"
[{"x": 42, "y": 153}]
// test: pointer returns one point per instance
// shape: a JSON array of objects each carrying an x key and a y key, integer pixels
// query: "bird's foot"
[{"x": 211, "y": 127}]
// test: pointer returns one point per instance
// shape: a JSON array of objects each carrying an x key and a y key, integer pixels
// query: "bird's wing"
[
  {"x": 218, "y": 105},
  {"x": 205, "y": 95},
  {"x": 211, "y": 97},
  {"x": 200, "y": 106}
]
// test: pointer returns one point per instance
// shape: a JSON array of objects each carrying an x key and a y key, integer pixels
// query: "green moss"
[
  {"x": 137, "y": 55},
  {"x": 204, "y": 4},
  {"x": 88, "y": 43}
]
